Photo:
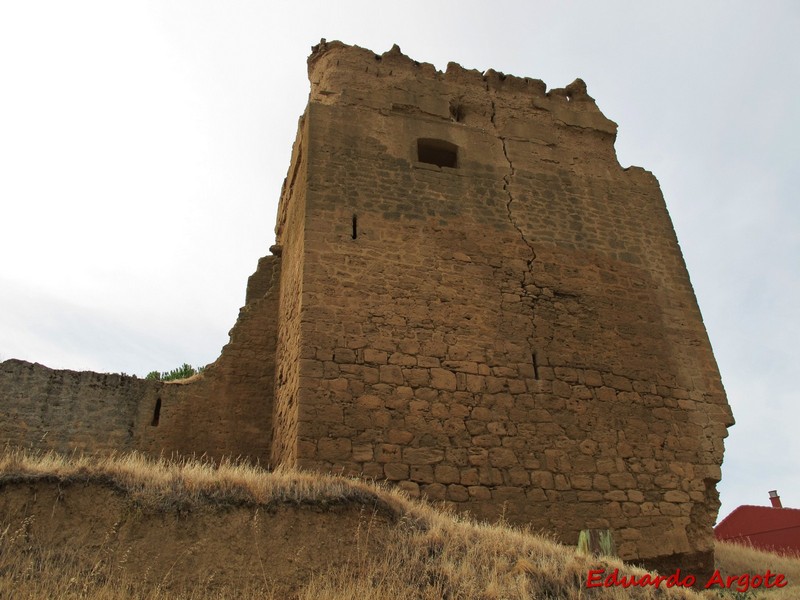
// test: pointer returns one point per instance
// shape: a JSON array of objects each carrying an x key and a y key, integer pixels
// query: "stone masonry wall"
[
  {"x": 70, "y": 411},
  {"x": 225, "y": 412},
  {"x": 288, "y": 367},
  {"x": 511, "y": 331},
  {"x": 516, "y": 335}
]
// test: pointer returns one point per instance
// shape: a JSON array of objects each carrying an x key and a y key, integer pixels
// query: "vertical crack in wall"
[
  {"x": 507, "y": 188},
  {"x": 527, "y": 282}
]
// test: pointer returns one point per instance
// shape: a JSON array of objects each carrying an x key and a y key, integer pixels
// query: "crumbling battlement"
[
  {"x": 347, "y": 74},
  {"x": 471, "y": 298}
]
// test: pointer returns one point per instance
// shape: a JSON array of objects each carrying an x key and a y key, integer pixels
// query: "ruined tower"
[
  {"x": 468, "y": 297},
  {"x": 478, "y": 303}
]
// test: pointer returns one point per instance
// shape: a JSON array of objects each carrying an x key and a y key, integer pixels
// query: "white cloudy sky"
[{"x": 143, "y": 146}]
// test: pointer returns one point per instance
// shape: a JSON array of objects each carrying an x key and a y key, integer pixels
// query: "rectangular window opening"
[{"x": 437, "y": 152}]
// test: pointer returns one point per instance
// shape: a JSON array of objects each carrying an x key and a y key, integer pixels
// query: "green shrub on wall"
[{"x": 184, "y": 371}]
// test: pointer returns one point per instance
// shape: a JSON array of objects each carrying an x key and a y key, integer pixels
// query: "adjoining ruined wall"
[
  {"x": 516, "y": 335},
  {"x": 70, "y": 411},
  {"x": 227, "y": 411}
]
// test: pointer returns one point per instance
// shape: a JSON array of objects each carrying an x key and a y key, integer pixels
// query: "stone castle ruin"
[{"x": 469, "y": 297}]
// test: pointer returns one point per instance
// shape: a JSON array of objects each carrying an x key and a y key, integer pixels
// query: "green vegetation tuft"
[{"x": 183, "y": 372}]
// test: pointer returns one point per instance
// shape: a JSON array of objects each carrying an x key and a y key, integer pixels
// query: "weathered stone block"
[
  {"x": 442, "y": 379},
  {"x": 479, "y": 492},
  {"x": 434, "y": 491},
  {"x": 395, "y": 471},
  {"x": 378, "y": 357},
  {"x": 391, "y": 374},
  {"x": 334, "y": 449},
  {"x": 457, "y": 493},
  {"x": 422, "y": 473},
  {"x": 447, "y": 474},
  {"x": 422, "y": 456},
  {"x": 385, "y": 453},
  {"x": 676, "y": 496},
  {"x": 502, "y": 457},
  {"x": 363, "y": 453},
  {"x": 399, "y": 436}
]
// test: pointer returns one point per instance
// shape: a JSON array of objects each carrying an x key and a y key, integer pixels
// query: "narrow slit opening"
[
  {"x": 535, "y": 366},
  {"x": 355, "y": 226},
  {"x": 156, "y": 413}
]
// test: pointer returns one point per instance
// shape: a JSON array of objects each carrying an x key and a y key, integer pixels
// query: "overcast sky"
[{"x": 143, "y": 146}]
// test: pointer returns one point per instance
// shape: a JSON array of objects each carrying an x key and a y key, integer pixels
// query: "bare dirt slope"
[
  {"x": 217, "y": 546},
  {"x": 129, "y": 527}
]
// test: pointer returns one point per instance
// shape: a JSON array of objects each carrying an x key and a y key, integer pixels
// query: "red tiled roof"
[{"x": 763, "y": 527}]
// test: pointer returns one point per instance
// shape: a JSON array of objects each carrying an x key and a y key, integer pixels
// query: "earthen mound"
[{"x": 131, "y": 527}]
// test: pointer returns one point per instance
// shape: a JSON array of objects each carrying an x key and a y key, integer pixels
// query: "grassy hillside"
[
  {"x": 732, "y": 559},
  {"x": 130, "y": 527}
]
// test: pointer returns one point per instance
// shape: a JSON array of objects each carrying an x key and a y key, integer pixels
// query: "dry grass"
[
  {"x": 167, "y": 484},
  {"x": 431, "y": 554},
  {"x": 733, "y": 559}
]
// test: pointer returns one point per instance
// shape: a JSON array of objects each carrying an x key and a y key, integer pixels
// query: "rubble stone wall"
[
  {"x": 289, "y": 365},
  {"x": 469, "y": 297},
  {"x": 514, "y": 333},
  {"x": 226, "y": 411},
  {"x": 66, "y": 411}
]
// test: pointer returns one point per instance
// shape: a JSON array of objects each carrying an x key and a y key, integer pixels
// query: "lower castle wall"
[
  {"x": 226, "y": 411},
  {"x": 70, "y": 411}
]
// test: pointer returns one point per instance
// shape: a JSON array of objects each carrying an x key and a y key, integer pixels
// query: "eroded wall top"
[{"x": 457, "y": 94}]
